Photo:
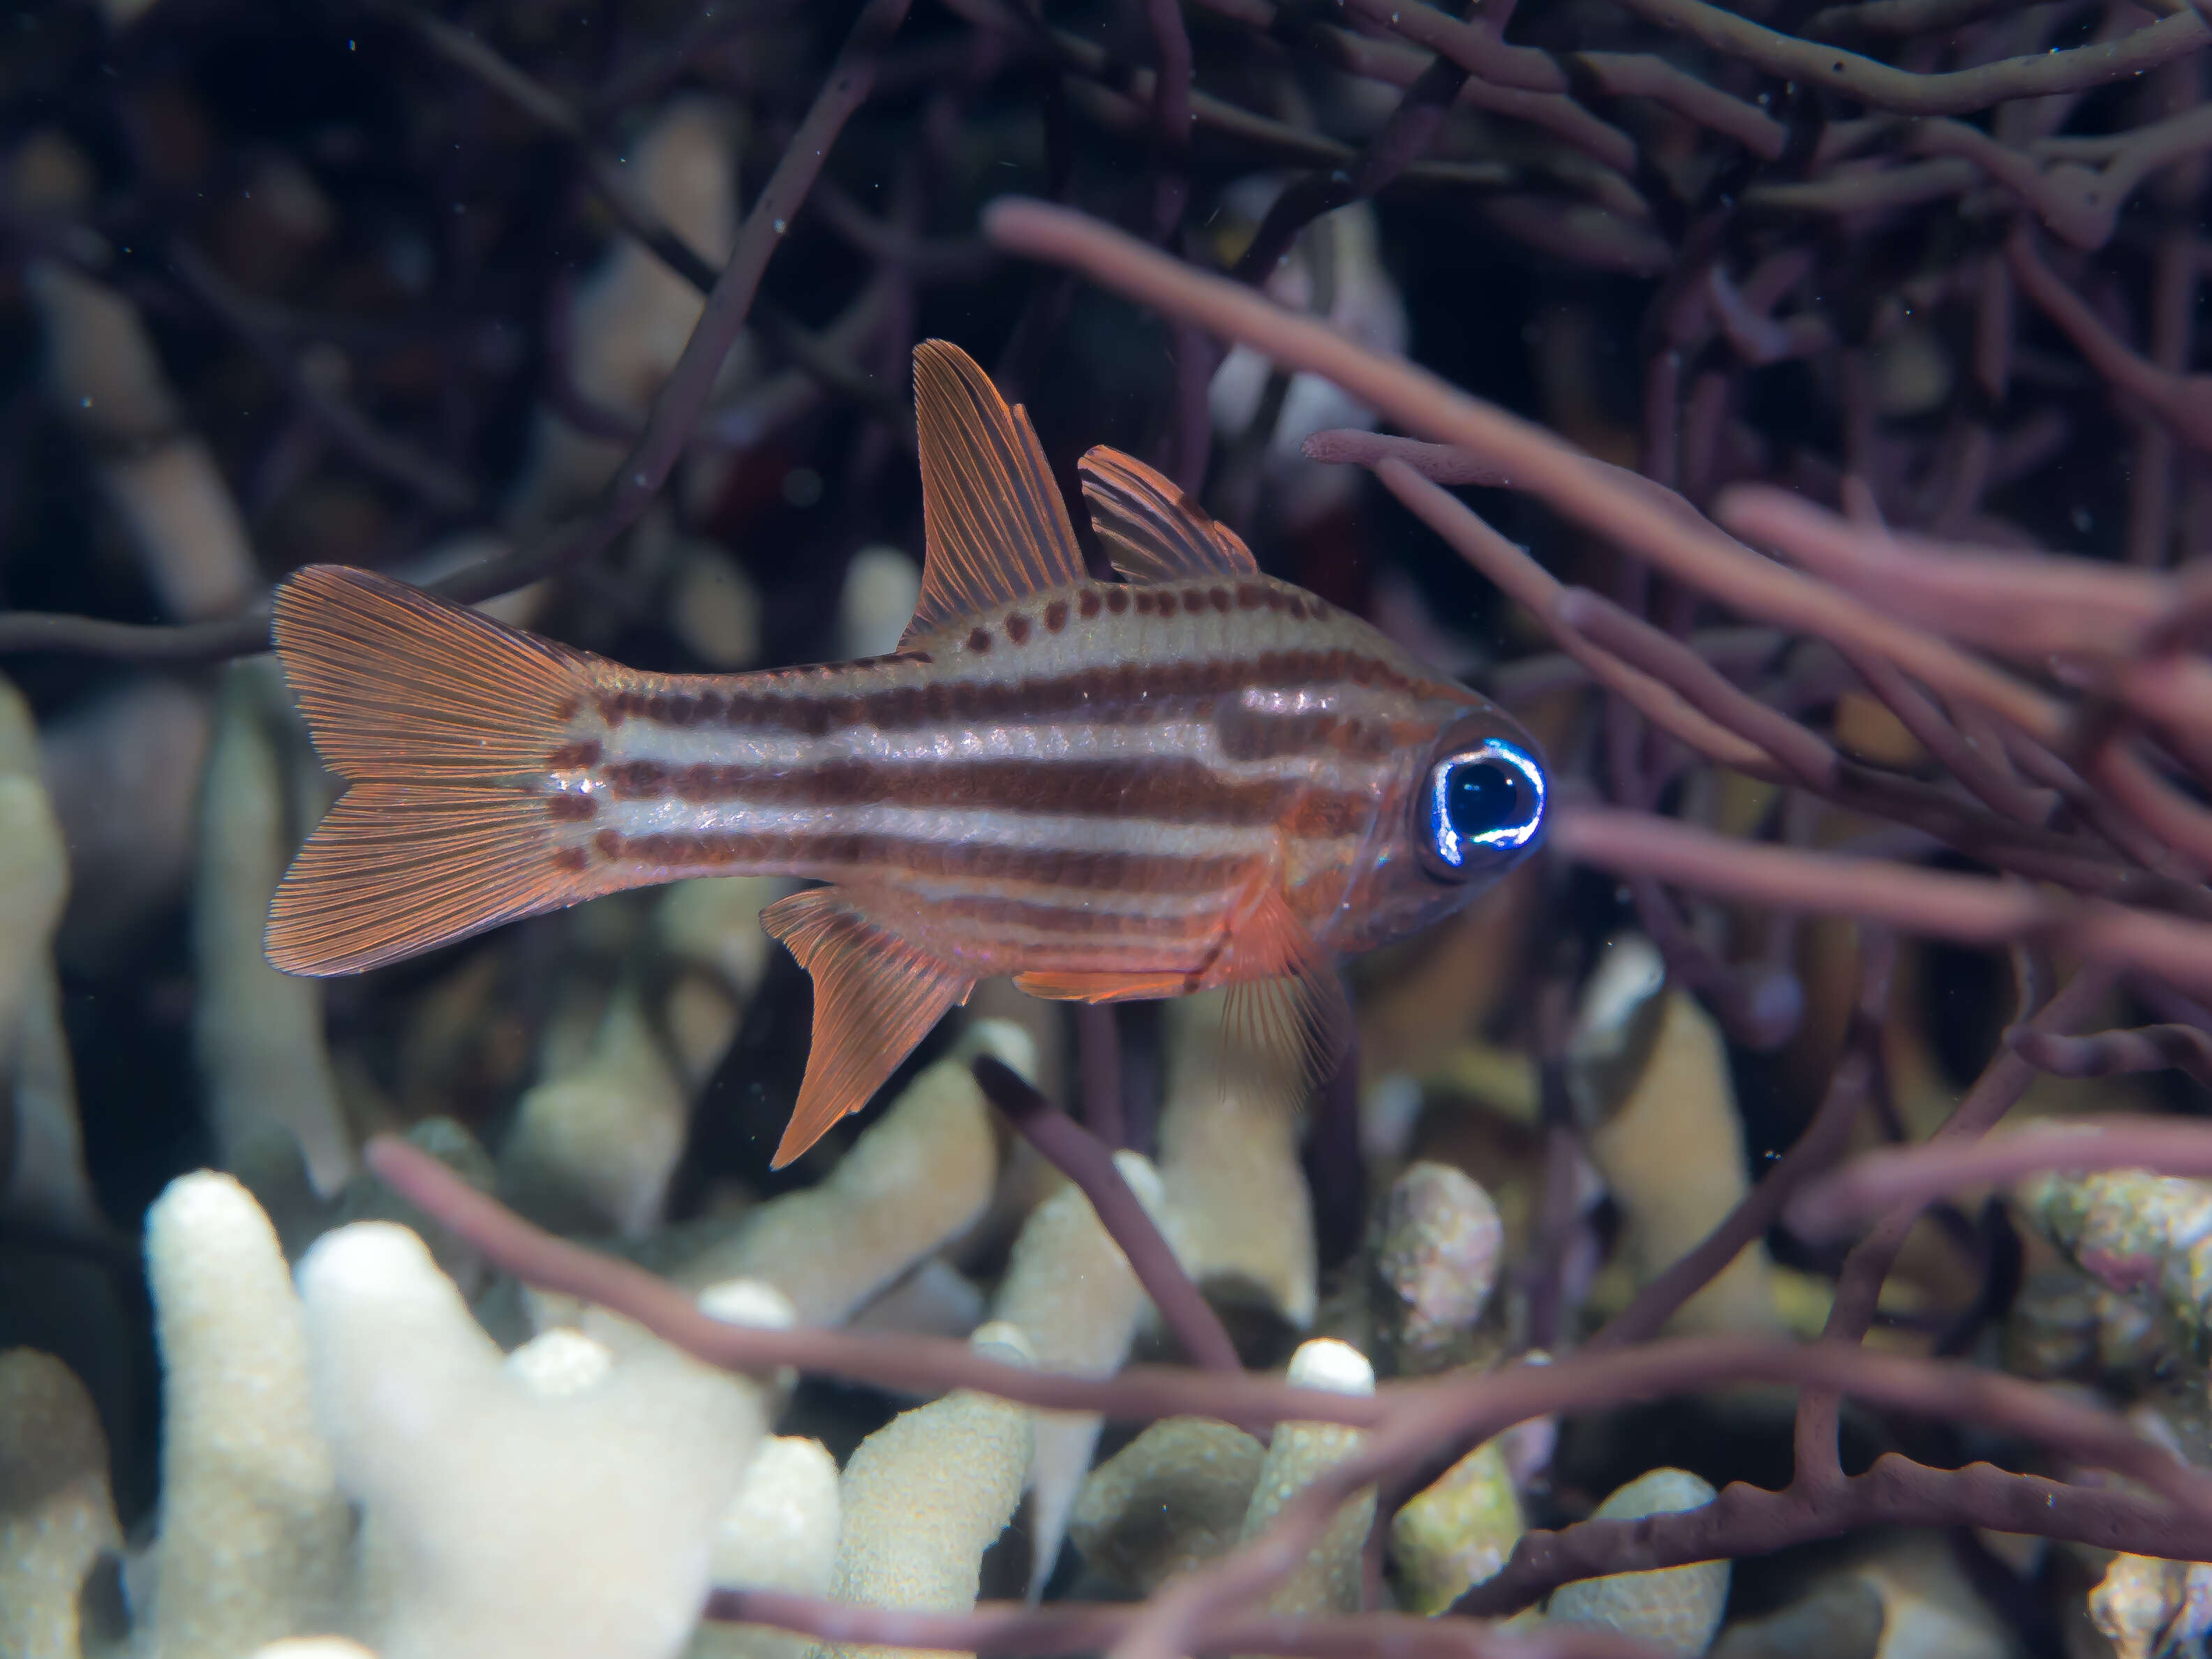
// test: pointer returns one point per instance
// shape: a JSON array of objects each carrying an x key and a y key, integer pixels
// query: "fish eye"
[{"x": 1482, "y": 805}]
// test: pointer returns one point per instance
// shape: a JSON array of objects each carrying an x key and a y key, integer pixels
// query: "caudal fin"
[{"x": 439, "y": 719}]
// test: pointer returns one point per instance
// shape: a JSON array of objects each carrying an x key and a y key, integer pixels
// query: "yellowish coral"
[
  {"x": 1073, "y": 1296},
  {"x": 1172, "y": 1499},
  {"x": 1229, "y": 1157},
  {"x": 1327, "y": 1580},
  {"x": 780, "y": 1532},
  {"x": 1675, "y": 1608},
  {"x": 928, "y": 1492},
  {"x": 1458, "y": 1531},
  {"x": 919, "y": 1175},
  {"x": 56, "y": 1518}
]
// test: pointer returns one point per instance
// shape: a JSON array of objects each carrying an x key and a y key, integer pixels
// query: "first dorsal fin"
[
  {"x": 995, "y": 527},
  {"x": 1153, "y": 533}
]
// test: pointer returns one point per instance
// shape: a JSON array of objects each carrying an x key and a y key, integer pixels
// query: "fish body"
[{"x": 1196, "y": 776}]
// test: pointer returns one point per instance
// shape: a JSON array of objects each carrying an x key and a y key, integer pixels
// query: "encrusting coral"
[
  {"x": 1172, "y": 1499},
  {"x": 2145, "y": 1236},
  {"x": 57, "y": 1520},
  {"x": 1677, "y": 1609},
  {"x": 2145, "y": 1607},
  {"x": 1229, "y": 1158},
  {"x": 1439, "y": 1244},
  {"x": 927, "y": 1493}
]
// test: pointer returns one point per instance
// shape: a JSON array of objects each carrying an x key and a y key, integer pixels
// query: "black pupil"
[{"x": 1481, "y": 798}]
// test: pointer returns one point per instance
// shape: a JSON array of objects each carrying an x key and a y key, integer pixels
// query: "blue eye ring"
[{"x": 1460, "y": 852}]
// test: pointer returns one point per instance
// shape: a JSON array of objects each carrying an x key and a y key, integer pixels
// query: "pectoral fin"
[
  {"x": 875, "y": 997},
  {"x": 1285, "y": 998}
]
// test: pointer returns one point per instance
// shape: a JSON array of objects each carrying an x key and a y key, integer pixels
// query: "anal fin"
[
  {"x": 875, "y": 997},
  {"x": 1102, "y": 987}
]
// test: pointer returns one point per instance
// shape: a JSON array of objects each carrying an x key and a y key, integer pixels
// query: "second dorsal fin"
[
  {"x": 995, "y": 527},
  {"x": 1153, "y": 533}
]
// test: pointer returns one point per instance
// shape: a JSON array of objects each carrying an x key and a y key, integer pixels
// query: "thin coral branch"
[
  {"x": 1571, "y": 484},
  {"x": 1089, "y": 1163},
  {"x": 1919, "y": 1175},
  {"x": 2109, "y": 1054},
  {"x": 1955, "y": 92}
]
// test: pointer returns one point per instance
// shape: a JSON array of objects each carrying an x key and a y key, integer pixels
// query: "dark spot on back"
[
  {"x": 1117, "y": 600},
  {"x": 1018, "y": 628},
  {"x": 610, "y": 843},
  {"x": 980, "y": 639},
  {"x": 1220, "y": 597},
  {"x": 1087, "y": 605},
  {"x": 573, "y": 858},
  {"x": 1250, "y": 596},
  {"x": 1055, "y": 616},
  {"x": 1193, "y": 599}
]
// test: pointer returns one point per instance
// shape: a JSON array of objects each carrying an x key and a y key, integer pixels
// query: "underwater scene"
[{"x": 1353, "y": 829}]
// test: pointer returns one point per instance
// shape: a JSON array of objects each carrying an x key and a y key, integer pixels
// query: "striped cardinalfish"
[{"x": 1193, "y": 776}]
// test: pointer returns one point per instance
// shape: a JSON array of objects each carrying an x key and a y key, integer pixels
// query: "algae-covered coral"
[{"x": 1820, "y": 392}]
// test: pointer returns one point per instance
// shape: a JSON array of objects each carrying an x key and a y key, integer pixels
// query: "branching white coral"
[
  {"x": 780, "y": 1532},
  {"x": 257, "y": 1033},
  {"x": 547, "y": 1510},
  {"x": 255, "y": 1535},
  {"x": 594, "y": 1144}
]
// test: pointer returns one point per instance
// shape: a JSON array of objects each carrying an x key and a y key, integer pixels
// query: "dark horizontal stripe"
[
  {"x": 772, "y": 702},
  {"x": 1171, "y": 790},
  {"x": 839, "y": 852}
]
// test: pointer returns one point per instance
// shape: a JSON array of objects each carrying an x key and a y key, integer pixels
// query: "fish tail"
[{"x": 440, "y": 720}]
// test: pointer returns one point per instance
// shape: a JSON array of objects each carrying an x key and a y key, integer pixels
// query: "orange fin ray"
[
  {"x": 1152, "y": 530},
  {"x": 431, "y": 711},
  {"x": 992, "y": 519},
  {"x": 1286, "y": 999},
  {"x": 397, "y": 869},
  {"x": 875, "y": 997},
  {"x": 399, "y": 685},
  {"x": 1102, "y": 987}
]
